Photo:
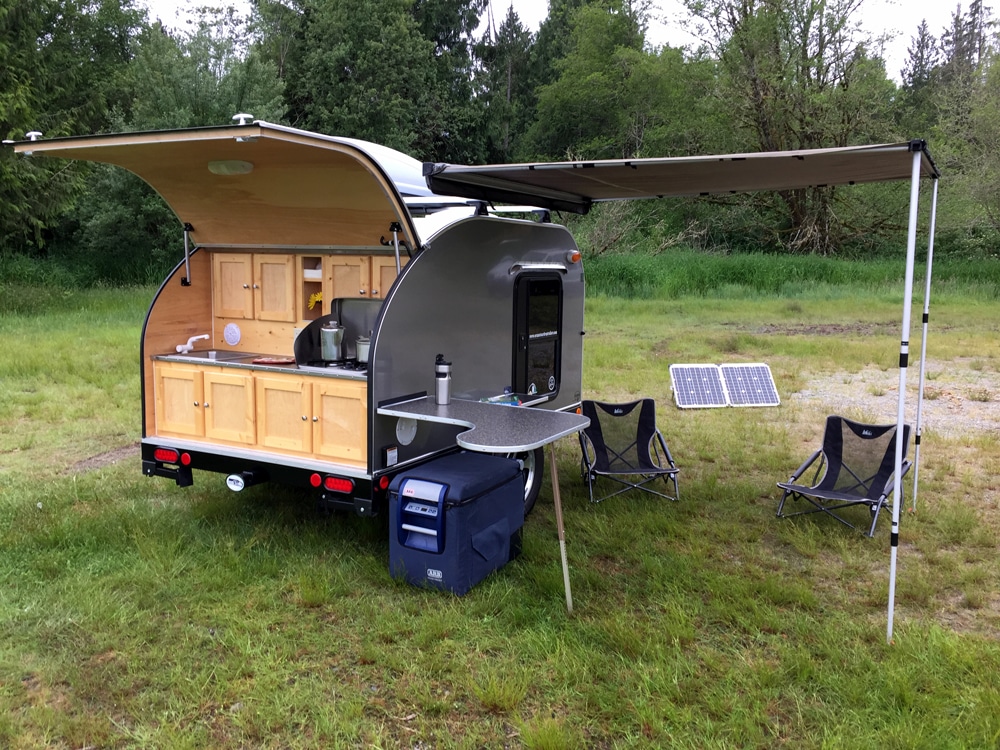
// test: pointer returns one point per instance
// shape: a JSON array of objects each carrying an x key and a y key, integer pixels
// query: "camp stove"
[{"x": 347, "y": 365}]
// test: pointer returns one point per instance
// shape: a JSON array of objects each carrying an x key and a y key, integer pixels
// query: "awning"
[{"x": 575, "y": 186}]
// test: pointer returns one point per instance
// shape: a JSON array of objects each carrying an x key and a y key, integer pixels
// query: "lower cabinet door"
[
  {"x": 340, "y": 429},
  {"x": 229, "y": 407},
  {"x": 284, "y": 413},
  {"x": 179, "y": 397}
]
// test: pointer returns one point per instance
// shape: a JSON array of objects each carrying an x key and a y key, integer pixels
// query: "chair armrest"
[
  {"x": 666, "y": 450},
  {"x": 805, "y": 465}
]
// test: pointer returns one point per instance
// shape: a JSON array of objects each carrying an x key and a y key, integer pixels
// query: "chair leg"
[{"x": 781, "y": 504}]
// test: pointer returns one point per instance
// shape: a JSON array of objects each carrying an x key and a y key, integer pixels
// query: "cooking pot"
[
  {"x": 363, "y": 344},
  {"x": 331, "y": 335}
]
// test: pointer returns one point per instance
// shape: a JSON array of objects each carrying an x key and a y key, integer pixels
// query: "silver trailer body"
[{"x": 459, "y": 296}]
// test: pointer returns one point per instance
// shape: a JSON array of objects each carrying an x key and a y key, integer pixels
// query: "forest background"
[{"x": 429, "y": 78}]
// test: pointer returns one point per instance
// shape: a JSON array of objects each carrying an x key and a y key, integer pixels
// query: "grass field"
[{"x": 134, "y": 614}]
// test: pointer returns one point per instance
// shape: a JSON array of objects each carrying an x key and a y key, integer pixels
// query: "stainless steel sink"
[{"x": 212, "y": 355}]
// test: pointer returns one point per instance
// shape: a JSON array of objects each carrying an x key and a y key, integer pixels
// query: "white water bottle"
[{"x": 442, "y": 381}]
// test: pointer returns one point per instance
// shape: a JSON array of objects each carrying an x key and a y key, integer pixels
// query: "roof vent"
[{"x": 241, "y": 119}]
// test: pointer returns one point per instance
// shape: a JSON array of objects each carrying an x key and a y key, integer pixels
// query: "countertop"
[
  {"x": 494, "y": 428},
  {"x": 245, "y": 361}
]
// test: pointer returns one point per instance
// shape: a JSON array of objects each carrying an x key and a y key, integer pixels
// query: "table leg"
[{"x": 557, "y": 501}]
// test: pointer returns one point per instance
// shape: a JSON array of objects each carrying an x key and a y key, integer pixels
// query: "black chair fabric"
[
  {"x": 624, "y": 445},
  {"x": 854, "y": 466}
]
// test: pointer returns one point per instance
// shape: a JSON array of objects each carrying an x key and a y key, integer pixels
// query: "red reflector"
[
  {"x": 336, "y": 484},
  {"x": 383, "y": 482},
  {"x": 166, "y": 455},
  {"x": 186, "y": 459},
  {"x": 315, "y": 480}
]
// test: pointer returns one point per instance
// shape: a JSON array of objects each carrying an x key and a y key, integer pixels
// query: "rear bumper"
[{"x": 252, "y": 468}]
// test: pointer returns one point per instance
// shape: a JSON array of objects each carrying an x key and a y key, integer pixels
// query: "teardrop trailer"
[{"x": 286, "y": 231}]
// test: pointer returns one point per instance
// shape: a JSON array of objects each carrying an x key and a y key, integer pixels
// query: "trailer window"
[{"x": 537, "y": 333}]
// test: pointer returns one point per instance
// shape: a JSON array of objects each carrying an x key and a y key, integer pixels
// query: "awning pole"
[
  {"x": 904, "y": 353},
  {"x": 923, "y": 350}
]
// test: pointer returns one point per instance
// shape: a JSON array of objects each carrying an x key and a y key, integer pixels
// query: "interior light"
[{"x": 229, "y": 167}]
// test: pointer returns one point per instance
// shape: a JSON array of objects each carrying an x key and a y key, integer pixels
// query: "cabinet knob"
[
  {"x": 206, "y": 404},
  {"x": 305, "y": 418},
  {"x": 361, "y": 291},
  {"x": 256, "y": 286},
  {"x": 246, "y": 286},
  {"x": 315, "y": 419},
  {"x": 196, "y": 403},
  {"x": 374, "y": 292}
]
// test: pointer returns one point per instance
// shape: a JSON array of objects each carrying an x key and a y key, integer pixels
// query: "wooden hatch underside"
[{"x": 256, "y": 185}]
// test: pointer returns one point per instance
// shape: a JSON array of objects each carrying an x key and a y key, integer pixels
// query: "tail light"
[
  {"x": 167, "y": 455},
  {"x": 338, "y": 484}
]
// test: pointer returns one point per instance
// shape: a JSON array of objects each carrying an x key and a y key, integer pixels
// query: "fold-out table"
[{"x": 497, "y": 428}]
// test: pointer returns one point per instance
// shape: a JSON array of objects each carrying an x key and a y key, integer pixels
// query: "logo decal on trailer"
[{"x": 435, "y": 575}]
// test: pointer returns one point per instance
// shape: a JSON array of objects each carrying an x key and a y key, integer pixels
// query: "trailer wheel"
[{"x": 533, "y": 473}]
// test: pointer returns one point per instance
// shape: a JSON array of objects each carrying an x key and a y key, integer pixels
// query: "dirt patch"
[
  {"x": 959, "y": 396},
  {"x": 107, "y": 458},
  {"x": 826, "y": 329}
]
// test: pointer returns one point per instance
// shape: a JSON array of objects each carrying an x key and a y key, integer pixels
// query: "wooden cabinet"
[
  {"x": 232, "y": 282},
  {"x": 229, "y": 406},
  {"x": 322, "y": 416},
  {"x": 291, "y": 413},
  {"x": 340, "y": 417},
  {"x": 284, "y": 411},
  {"x": 347, "y": 276},
  {"x": 179, "y": 397},
  {"x": 193, "y": 401},
  {"x": 383, "y": 274},
  {"x": 254, "y": 286}
]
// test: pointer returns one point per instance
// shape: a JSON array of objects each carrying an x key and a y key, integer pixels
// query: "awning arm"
[{"x": 923, "y": 349}]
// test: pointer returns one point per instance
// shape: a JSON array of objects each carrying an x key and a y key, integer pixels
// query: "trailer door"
[{"x": 538, "y": 301}]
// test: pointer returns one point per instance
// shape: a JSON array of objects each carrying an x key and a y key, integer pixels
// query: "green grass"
[{"x": 134, "y": 614}]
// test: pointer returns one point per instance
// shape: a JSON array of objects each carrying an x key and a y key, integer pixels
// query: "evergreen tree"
[{"x": 504, "y": 55}]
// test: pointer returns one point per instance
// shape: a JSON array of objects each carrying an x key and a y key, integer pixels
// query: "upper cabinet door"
[
  {"x": 348, "y": 276},
  {"x": 233, "y": 281},
  {"x": 274, "y": 287}
]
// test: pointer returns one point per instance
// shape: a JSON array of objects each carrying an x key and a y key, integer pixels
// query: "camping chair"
[
  {"x": 623, "y": 444},
  {"x": 854, "y": 467}
]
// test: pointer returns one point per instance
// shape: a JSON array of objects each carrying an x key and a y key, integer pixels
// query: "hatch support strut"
[{"x": 186, "y": 279}]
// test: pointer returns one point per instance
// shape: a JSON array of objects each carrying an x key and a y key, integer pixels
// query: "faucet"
[{"x": 185, "y": 348}]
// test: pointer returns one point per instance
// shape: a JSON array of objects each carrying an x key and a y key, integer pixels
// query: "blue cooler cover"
[{"x": 454, "y": 520}]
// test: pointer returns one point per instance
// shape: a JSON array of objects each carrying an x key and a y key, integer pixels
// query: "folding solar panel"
[
  {"x": 697, "y": 386},
  {"x": 750, "y": 385}
]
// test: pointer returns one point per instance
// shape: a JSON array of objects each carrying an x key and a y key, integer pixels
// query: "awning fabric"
[{"x": 575, "y": 186}]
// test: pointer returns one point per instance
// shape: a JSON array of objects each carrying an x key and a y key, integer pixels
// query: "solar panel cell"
[
  {"x": 697, "y": 386},
  {"x": 750, "y": 385}
]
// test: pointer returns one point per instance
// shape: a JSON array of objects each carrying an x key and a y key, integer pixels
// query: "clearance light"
[
  {"x": 315, "y": 480},
  {"x": 166, "y": 455},
  {"x": 337, "y": 484},
  {"x": 573, "y": 256},
  {"x": 383, "y": 482},
  {"x": 186, "y": 459}
]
